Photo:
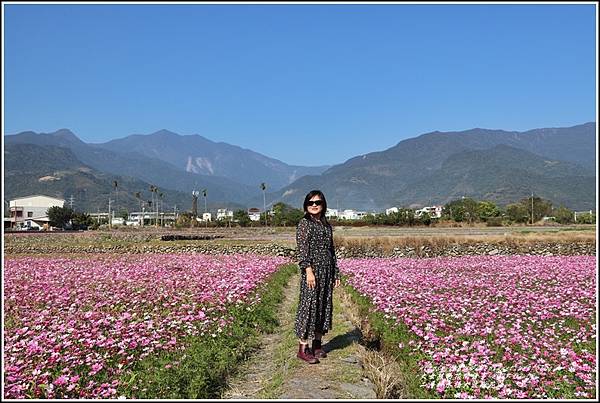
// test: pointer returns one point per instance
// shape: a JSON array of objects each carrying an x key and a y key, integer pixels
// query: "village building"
[
  {"x": 224, "y": 214},
  {"x": 332, "y": 213},
  {"x": 254, "y": 213},
  {"x": 433, "y": 211},
  {"x": 350, "y": 214},
  {"x": 30, "y": 212}
]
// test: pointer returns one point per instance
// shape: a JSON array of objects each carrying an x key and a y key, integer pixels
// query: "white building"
[
  {"x": 31, "y": 211},
  {"x": 254, "y": 214},
  {"x": 118, "y": 221},
  {"x": 350, "y": 214},
  {"x": 362, "y": 214},
  {"x": 332, "y": 212},
  {"x": 434, "y": 211},
  {"x": 224, "y": 214},
  {"x": 206, "y": 216},
  {"x": 391, "y": 210}
]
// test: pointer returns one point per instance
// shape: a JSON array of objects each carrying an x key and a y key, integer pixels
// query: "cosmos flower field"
[
  {"x": 491, "y": 326},
  {"x": 73, "y": 326},
  {"x": 485, "y": 326}
]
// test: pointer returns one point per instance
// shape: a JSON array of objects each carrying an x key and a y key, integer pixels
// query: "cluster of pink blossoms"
[
  {"x": 492, "y": 326},
  {"x": 73, "y": 326}
]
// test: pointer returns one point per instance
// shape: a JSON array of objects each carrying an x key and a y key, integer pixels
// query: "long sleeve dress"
[{"x": 315, "y": 306}]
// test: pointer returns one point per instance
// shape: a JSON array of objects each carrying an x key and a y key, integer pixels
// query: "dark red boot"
[
  {"x": 318, "y": 349},
  {"x": 305, "y": 354}
]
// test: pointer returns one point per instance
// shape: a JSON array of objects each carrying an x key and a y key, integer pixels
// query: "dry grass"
[
  {"x": 380, "y": 368},
  {"x": 384, "y": 372},
  {"x": 388, "y": 243}
]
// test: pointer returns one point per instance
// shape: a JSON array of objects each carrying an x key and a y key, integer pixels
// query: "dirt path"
[{"x": 274, "y": 371}]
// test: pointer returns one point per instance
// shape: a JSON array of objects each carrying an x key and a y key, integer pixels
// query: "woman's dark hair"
[{"x": 309, "y": 196}]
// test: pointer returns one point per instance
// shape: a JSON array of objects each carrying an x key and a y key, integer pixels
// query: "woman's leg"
[
  {"x": 317, "y": 347},
  {"x": 304, "y": 352}
]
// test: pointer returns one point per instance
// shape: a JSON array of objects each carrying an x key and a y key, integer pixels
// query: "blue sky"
[{"x": 306, "y": 84}]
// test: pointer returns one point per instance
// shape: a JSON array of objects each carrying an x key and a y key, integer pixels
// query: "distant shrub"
[{"x": 494, "y": 222}]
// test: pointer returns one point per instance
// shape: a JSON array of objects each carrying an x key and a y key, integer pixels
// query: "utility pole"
[
  {"x": 195, "y": 194},
  {"x": 116, "y": 186},
  {"x": 263, "y": 187},
  {"x": 109, "y": 218},
  {"x": 531, "y": 208},
  {"x": 205, "y": 210},
  {"x": 157, "y": 204},
  {"x": 71, "y": 202}
]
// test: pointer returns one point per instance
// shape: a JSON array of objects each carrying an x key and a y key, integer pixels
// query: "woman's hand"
[
  {"x": 310, "y": 278},
  {"x": 337, "y": 283}
]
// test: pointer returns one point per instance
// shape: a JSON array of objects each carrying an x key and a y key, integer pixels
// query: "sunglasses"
[{"x": 314, "y": 202}]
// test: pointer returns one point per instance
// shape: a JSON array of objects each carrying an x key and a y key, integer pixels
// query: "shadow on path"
[{"x": 343, "y": 340}]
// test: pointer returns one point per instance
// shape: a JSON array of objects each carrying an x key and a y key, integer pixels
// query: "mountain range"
[
  {"x": 198, "y": 155},
  {"x": 558, "y": 164},
  {"x": 56, "y": 171},
  {"x": 127, "y": 161}
]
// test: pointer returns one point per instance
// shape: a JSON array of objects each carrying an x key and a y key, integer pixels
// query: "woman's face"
[{"x": 313, "y": 208}]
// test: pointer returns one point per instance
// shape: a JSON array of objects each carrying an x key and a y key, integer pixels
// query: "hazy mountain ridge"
[
  {"x": 432, "y": 168},
  {"x": 151, "y": 170},
  {"x": 198, "y": 155},
  {"x": 502, "y": 174},
  {"x": 56, "y": 171},
  {"x": 377, "y": 180}
]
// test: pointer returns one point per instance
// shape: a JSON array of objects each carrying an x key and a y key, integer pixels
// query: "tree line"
[{"x": 465, "y": 210}]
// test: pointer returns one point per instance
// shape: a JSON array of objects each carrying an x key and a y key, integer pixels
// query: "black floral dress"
[{"x": 315, "y": 249}]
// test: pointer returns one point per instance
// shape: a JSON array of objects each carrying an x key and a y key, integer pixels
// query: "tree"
[
  {"x": 82, "y": 221},
  {"x": 425, "y": 218},
  {"x": 242, "y": 218},
  {"x": 563, "y": 215},
  {"x": 517, "y": 212},
  {"x": 185, "y": 219},
  {"x": 541, "y": 208},
  {"x": 408, "y": 216},
  {"x": 470, "y": 206},
  {"x": 487, "y": 209},
  {"x": 284, "y": 214},
  {"x": 586, "y": 218},
  {"x": 59, "y": 216},
  {"x": 123, "y": 213},
  {"x": 454, "y": 210}
]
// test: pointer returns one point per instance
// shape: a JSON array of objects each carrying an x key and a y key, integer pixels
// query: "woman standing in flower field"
[{"x": 319, "y": 275}]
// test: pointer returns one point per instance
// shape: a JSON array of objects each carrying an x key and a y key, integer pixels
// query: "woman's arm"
[
  {"x": 334, "y": 257},
  {"x": 303, "y": 247}
]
